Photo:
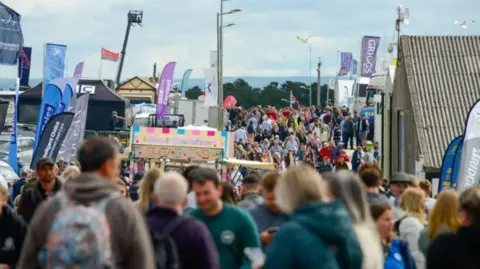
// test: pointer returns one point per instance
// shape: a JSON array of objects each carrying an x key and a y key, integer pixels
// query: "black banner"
[
  {"x": 3, "y": 113},
  {"x": 52, "y": 137}
]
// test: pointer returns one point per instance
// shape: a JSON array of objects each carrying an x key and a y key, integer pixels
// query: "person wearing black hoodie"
[
  {"x": 12, "y": 230},
  {"x": 459, "y": 250},
  {"x": 46, "y": 186}
]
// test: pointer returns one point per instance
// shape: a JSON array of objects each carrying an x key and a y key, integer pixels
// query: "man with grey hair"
[{"x": 193, "y": 243}]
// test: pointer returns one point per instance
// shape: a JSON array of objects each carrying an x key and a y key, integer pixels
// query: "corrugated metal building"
[{"x": 437, "y": 81}]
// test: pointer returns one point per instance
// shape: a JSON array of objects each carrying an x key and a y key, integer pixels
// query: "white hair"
[{"x": 171, "y": 189}]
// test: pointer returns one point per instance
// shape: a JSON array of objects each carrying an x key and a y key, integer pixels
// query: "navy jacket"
[
  {"x": 195, "y": 245},
  {"x": 12, "y": 233}
]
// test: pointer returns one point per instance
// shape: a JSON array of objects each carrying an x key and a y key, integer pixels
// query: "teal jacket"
[{"x": 318, "y": 236}]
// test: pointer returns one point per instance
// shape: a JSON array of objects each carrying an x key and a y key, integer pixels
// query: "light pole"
[
  {"x": 220, "y": 27},
  {"x": 306, "y": 41},
  {"x": 319, "y": 87}
]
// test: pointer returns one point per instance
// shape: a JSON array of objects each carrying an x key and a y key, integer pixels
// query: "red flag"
[
  {"x": 110, "y": 55},
  {"x": 229, "y": 102}
]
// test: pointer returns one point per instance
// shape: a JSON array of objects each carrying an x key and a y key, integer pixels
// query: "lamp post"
[
  {"x": 319, "y": 87},
  {"x": 220, "y": 27},
  {"x": 306, "y": 41}
]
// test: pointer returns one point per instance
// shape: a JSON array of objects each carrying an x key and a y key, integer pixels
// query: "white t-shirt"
[{"x": 429, "y": 204}]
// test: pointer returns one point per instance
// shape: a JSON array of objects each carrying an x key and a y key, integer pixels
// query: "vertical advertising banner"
[
  {"x": 164, "y": 87},
  {"x": 457, "y": 160},
  {"x": 24, "y": 64},
  {"x": 447, "y": 164},
  {"x": 12, "y": 155},
  {"x": 11, "y": 37},
  {"x": 68, "y": 94},
  {"x": 186, "y": 78},
  {"x": 345, "y": 63},
  {"x": 211, "y": 87},
  {"x": 354, "y": 67},
  {"x": 74, "y": 137},
  {"x": 369, "y": 50},
  {"x": 469, "y": 171},
  {"x": 52, "y": 137},
  {"x": 49, "y": 107},
  {"x": 55, "y": 56},
  {"x": 78, "y": 70}
]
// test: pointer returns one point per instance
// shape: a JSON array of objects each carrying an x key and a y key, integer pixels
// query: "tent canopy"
[
  {"x": 98, "y": 90},
  {"x": 103, "y": 101}
]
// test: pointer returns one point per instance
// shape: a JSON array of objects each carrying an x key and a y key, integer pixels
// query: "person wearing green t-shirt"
[{"x": 232, "y": 229}]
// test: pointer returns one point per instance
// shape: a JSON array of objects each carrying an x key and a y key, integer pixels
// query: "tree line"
[{"x": 274, "y": 94}]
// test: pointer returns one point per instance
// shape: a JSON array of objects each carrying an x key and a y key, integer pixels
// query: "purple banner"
[
  {"x": 368, "y": 61},
  {"x": 346, "y": 63},
  {"x": 163, "y": 88},
  {"x": 78, "y": 70}
]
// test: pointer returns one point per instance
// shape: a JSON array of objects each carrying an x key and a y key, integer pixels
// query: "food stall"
[
  {"x": 251, "y": 166},
  {"x": 175, "y": 148}
]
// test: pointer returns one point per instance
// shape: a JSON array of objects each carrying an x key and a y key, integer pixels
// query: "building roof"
[
  {"x": 136, "y": 83},
  {"x": 443, "y": 76}
]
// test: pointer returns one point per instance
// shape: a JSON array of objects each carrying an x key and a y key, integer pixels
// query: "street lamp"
[
  {"x": 306, "y": 41},
  {"x": 220, "y": 27},
  {"x": 319, "y": 87}
]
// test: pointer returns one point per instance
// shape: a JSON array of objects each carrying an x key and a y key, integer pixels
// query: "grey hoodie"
[
  {"x": 130, "y": 240},
  {"x": 250, "y": 199}
]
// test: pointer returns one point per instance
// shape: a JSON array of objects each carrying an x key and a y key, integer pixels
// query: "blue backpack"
[{"x": 79, "y": 236}]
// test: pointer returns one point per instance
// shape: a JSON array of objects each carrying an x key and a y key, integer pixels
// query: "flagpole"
[
  {"x": 43, "y": 69},
  {"x": 291, "y": 95},
  {"x": 100, "y": 69}
]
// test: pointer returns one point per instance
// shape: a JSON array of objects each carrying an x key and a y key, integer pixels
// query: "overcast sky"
[{"x": 263, "y": 42}]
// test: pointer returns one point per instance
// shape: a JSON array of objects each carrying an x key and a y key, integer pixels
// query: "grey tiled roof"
[{"x": 443, "y": 74}]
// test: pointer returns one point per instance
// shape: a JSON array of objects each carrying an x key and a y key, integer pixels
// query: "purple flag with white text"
[
  {"x": 368, "y": 61},
  {"x": 345, "y": 64},
  {"x": 163, "y": 89}
]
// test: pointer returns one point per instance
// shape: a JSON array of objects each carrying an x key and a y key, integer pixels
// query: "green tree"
[
  {"x": 194, "y": 93},
  {"x": 272, "y": 94}
]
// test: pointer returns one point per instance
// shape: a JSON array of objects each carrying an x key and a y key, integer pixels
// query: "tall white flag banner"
[
  {"x": 213, "y": 59},
  {"x": 74, "y": 138},
  {"x": 469, "y": 171},
  {"x": 211, "y": 87}
]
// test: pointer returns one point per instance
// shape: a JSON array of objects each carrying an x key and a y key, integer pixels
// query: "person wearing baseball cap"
[
  {"x": 46, "y": 186},
  {"x": 398, "y": 185}
]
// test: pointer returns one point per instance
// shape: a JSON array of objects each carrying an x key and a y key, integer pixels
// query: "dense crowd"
[
  {"x": 315, "y": 136},
  {"x": 89, "y": 218}
]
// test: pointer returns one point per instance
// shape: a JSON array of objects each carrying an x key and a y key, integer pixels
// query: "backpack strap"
[
  {"x": 396, "y": 225},
  {"x": 165, "y": 235}
]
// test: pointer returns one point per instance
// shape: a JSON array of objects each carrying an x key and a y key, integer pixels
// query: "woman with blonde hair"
[
  {"x": 442, "y": 219},
  {"x": 460, "y": 249},
  {"x": 69, "y": 173},
  {"x": 316, "y": 225},
  {"x": 347, "y": 187},
  {"x": 412, "y": 222},
  {"x": 146, "y": 189}
]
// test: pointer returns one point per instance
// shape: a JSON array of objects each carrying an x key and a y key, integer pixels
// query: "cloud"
[{"x": 262, "y": 43}]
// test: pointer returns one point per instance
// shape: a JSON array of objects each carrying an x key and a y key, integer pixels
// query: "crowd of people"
[
  {"x": 89, "y": 218},
  {"x": 319, "y": 137}
]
